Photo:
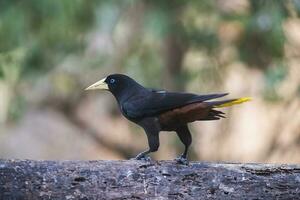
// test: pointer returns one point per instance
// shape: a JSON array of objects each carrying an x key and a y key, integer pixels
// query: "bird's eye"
[{"x": 112, "y": 80}]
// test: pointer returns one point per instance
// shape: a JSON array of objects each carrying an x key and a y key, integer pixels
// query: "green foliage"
[
  {"x": 16, "y": 108},
  {"x": 274, "y": 76},
  {"x": 144, "y": 65},
  {"x": 206, "y": 40},
  {"x": 11, "y": 65},
  {"x": 264, "y": 38},
  {"x": 157, "y": 22},
  {"x": 47, "y": 31}
]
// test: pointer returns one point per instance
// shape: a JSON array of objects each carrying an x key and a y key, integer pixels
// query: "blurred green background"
[{"x": 50, "y": 50}]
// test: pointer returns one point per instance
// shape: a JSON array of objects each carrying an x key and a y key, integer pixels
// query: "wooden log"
[{"x": 28, "y": 179}]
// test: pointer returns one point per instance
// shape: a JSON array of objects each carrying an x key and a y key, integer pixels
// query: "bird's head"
[{"x": 118, "y": 84}]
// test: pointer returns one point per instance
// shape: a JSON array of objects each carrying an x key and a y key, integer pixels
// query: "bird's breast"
[{"x": 123, "y": 111}]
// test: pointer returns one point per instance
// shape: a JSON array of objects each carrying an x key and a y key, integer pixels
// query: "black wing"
[{"x": 154, "y": 102}]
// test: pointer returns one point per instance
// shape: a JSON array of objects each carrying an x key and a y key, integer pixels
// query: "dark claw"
[
  {"x": 142, "y": 157},
  {"x": 182, "y": 160},
  {"x": 146, "y": 158}
]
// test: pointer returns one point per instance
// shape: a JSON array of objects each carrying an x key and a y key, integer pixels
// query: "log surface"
[{"x": 27, "y": 179}]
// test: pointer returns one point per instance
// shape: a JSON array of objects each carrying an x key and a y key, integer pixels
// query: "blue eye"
[{"x": 112, "y": 80}]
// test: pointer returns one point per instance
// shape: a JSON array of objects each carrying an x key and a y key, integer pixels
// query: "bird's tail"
[{"x": 226, "y": 103}]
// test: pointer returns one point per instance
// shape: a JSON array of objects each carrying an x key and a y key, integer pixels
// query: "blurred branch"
[
  {"x": 100, "y": 139},
  {"x": 126, "y": 152}
]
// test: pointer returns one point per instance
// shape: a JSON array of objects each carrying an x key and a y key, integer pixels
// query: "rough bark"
[{"x": 27, "y": 179}]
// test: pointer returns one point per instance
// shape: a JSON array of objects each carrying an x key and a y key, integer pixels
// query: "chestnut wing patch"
[{"x": 188, "y": 113}]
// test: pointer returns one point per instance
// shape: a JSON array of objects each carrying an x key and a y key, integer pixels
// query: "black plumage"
[{"x": 159, "y": 110}]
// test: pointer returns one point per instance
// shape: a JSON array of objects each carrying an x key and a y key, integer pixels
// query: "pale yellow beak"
[{"x": 100, "y": 85}]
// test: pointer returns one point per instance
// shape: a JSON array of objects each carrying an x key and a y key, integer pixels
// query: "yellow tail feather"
[{"x": 233, "y": 102}]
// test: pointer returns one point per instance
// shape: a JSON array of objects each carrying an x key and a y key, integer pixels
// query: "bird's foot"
[
  {"x": 142, "y": 157},
  {"x": 145, "y": 158},
  {"x": 182, "y": 160}
]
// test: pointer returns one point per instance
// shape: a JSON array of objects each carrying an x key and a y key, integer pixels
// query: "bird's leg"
[
  {"x": 153, "y": 141},
  {"x": 186, "y": 138},
  {"x": 182, "y": 159},
  {"x": 143, "y": 156}
]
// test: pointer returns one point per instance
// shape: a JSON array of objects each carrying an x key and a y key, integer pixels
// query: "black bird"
[{"x": 159, "y": 110}]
